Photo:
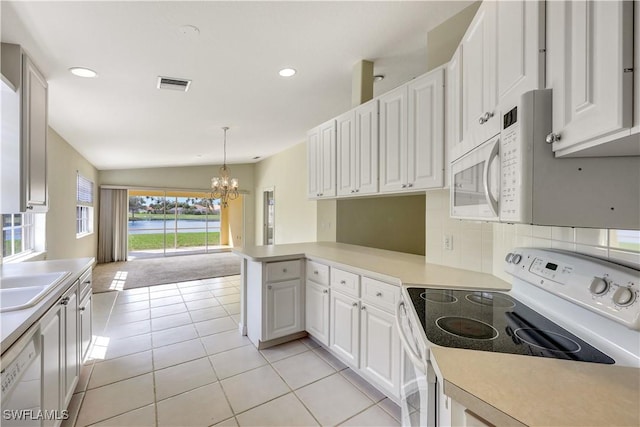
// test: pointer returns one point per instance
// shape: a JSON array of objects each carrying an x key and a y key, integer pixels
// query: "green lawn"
[
  {"x": 156, "y": 241},
  {"x": 169, "y": 217}
]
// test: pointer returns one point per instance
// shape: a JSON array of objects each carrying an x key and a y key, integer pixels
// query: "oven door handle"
[
  {"x": 492, "y": 202},
  {"x": 417, "y": 361}
]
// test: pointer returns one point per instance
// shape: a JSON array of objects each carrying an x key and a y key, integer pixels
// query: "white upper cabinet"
[
  {"x": 425, "y": 131},
  {"x": 455, "y": 127},
  {"x": 23, "y": 158},
  {"x": 590, "y": 69},
  {"x": 393, "y": 139},
  {"x": 357, "y": 145},
  {"x": 412, "y": 135},
  {"x": 479, "y": 79},
  {"x": 321, "y": 161},
  {"x": 34, "y": 142},
  {"x": 520, "y": 50}
]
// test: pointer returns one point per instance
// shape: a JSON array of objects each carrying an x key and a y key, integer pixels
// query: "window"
[
  {"x": 18, "y": 235},
  {"x": 84, "y": 206}
]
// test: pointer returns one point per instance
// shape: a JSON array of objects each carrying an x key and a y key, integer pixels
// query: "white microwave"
[
  {"x": 514, "y": 177},
  {"x": 493, "y": 182}
]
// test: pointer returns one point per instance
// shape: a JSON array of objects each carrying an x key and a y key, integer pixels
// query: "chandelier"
[{"x": 223, "y": 187}]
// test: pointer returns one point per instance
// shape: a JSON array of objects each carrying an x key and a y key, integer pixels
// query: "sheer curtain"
[{"x": 112, "y": 228}]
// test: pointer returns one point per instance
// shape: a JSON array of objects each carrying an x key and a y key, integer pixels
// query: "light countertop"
[
  {"x": 393, "y": 267},
  {"x": 521, "y": 390},
  {"x": 14, "y": 323}
]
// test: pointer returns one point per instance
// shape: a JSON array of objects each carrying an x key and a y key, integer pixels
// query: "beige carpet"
[{"x": 158, "y": 271}]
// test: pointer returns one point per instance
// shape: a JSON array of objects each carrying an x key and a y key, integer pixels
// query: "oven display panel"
[{"x": 559, "y": 273}]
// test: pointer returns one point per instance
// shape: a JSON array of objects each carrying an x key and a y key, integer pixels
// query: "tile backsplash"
[{"x": 482, "y": 246}]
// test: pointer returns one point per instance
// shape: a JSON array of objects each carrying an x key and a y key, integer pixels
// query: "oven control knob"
[
  {"x": 624, "y": 296},
  {"x": 516, "y": 259},
  {"x": 509, "y": 257},
  {"x": 599, "y": 286}
]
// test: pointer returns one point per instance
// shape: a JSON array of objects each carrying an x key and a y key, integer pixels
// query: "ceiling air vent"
[{"x": 173, "y": 83}]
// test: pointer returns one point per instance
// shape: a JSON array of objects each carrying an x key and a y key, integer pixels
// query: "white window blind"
[{"x": 84, "y": 191}]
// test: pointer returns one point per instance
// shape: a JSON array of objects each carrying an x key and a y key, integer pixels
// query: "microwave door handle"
[
  {"x": 417, "y": 361},
  {"x": 493, "y": 203}
]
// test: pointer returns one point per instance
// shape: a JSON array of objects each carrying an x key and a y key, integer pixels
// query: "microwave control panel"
[{"x": 511, "y": 167}]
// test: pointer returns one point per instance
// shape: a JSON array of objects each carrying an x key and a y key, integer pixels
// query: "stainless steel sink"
[{"x": 20, "y": 292}]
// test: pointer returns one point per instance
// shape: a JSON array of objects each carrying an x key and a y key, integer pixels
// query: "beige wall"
[
  {"x": 444, "y": 39},
  {"x": 63, "y": 163},
  {"x": 393, "y": 223},
  {"x": 295, "y": 215},
  {"x": 187, "y": 178}
]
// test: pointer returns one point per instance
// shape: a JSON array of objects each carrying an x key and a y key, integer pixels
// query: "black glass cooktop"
[{"x": 493, "y": 321}]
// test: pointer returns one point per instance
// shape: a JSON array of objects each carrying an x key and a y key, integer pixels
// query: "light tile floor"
[{"x": 171, "y": 355}]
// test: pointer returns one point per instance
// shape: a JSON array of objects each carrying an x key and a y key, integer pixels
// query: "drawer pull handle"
[
  {"x": 342, "y": 282},
  {"x": 363, "y": 308},
  {"x": 325, "y": 291},
  {"x": 315, "y": 272},
  {"x": 284, "y": 270},
  {"x": 269, "y": 287},
  {"x": 355, "y": 304},
  {"x": 64, "y": 301},
  {"x": 378, "y": 294},
  {"x": 83, "y": 308}
]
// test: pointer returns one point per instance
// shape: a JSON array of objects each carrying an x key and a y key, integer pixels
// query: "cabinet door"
[
  {"x": 346, "y": 148},
  {"x": 455, "y": 129},
  {"x": 590, "y": 63},
  {"x": 366, "y": 148},
  {"x": 520, "y": 49},
  {"x": 380, "y": 348},
  {"x": 344, "y": 335},
  {"x": 393, "y": 140},
  {"x": 71, "y": 351},
  {"x": 313, "y": 160},
  {"x": 479, "y": 78},
  {"x": 34, "y": 142},
  {"x": 284, "y": 308},
  {"x": 52, "y": 340},
  {"x": 317, "y": 311},
  {"x": 85, "y": 326},
  {"x": 327, "y": 152},
  {"x": 425, "y": 136}
]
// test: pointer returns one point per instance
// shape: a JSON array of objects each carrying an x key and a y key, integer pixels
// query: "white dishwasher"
[{"x": 21, "y": 386}]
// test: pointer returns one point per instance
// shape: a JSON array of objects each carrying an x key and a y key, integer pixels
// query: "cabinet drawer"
[
  {"x": 382, "y": 294},
  {"x": 318, "y": 273},
  {"x": 346, "y": 282},
  {"x": 283, "y": 270}
]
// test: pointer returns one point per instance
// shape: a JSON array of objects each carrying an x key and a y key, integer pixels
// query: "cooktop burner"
[
  {"x": 490, "y": 299},
  {"x": 495, "y": 321},
  {"x": 467, "y": 328},
  {"x": 438, "y": 296}
]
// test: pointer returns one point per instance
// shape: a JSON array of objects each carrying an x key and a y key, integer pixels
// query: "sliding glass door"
[{"x": 172, "y": 222}]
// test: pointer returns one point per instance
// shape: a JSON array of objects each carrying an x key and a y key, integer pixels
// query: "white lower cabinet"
[
  {"x": 51, "y": 339},
  {"x": 85, "y": 326},
  {"x": 283, "y": 308},
  {"x": 345, "y": 328},
  {"x": 275, "y": 300},
  {"x": 60, "y": 353},
  {"x": 317, "y": 311},
  {"x": 380, "y": 348},
  {"x": 363, "y": 332}
]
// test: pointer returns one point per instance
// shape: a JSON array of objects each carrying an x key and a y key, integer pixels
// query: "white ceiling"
[{"x": 120, "y": 120}]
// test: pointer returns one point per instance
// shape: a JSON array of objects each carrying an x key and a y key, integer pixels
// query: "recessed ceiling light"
[
  {"x": 83, "y": 72},
  {"x": 378, "y": 78},
  {"x": 287, "y": 72}
]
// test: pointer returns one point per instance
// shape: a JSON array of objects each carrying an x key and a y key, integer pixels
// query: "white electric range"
[{"x": 561, "y": 305}]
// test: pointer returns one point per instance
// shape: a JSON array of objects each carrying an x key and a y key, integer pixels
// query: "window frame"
[
  {"x": 84, "y": 206},
  {"x": 27, "y": 228}
]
